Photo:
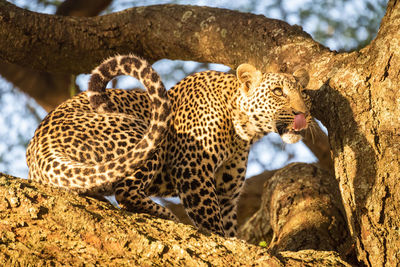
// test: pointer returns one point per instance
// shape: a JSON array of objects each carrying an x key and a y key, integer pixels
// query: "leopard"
[{"x": 191, "y": 141}]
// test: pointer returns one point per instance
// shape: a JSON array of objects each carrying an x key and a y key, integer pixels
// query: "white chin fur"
[{"x": 291, "y": 138}]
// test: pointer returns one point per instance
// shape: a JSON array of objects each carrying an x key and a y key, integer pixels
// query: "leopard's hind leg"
[{"x": 130, "y": 193}]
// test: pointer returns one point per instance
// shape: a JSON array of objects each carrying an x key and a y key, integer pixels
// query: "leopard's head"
[{"x": 275, "y": 102}]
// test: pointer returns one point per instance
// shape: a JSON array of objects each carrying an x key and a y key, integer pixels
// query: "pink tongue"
[{"x": 299, "y": 122}]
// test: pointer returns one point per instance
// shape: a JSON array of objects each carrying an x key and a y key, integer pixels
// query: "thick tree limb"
[
  {"x": 181, "y": 32},
  {"x": 300, "y": 207},
  {"x": 40, "y": 225},
  {"x": 359, "y": 105}
]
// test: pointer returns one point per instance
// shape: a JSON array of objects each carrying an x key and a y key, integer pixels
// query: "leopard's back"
[
  {"x": 99, "y": 137},
  {"x": 85, "y": 136}
]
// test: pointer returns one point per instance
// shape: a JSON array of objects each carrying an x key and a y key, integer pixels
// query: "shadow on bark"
[{"x": 350, "y": 147}]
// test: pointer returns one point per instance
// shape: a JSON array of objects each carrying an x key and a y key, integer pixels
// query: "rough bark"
[
  {"x": 359, "y": 104},
  {"x": 180, "y": 32},
  {"x": 301, "y": 208},
  {"x": 357, "y": 100},
  {"x": 40, "y": 225}
]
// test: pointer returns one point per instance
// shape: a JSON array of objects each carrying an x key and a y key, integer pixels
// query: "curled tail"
[
  {"x": 125, "y": 65},
  {"x": 140, "y": 69}
]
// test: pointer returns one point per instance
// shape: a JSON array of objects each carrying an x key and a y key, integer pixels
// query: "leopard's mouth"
[
  {"x": 293, "y": 131},
  {"x": 284, "y": 128}
]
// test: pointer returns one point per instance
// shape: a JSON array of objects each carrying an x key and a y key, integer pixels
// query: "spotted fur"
[{"x": 90, "y": 141}]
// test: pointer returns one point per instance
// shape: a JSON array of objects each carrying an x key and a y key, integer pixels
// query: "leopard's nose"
[{"x": 298, "y": 105}]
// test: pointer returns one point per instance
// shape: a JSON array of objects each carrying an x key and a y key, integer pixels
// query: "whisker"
[
  {"x": 312, "y": 129},
  {"x": 316, "y": 130}
]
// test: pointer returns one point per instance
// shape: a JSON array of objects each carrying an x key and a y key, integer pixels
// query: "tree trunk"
[
  {"x": 358, "y": 97},
  {"x": 359, "y": 104}
]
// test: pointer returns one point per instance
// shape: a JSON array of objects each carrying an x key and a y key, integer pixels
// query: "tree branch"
[
  {"x": 78, "y": 8},
  {"x": 357, "y": 100},
  {"x": 41, "y": 225},
  {"x": 202, "y": 34}
]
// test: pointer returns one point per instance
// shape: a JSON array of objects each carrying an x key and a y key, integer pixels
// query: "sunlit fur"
[
  {"x": 269, "y": 112},
  {"x": 192, "y": 141}
]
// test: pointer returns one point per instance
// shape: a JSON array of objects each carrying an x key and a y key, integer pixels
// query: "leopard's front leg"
[
  {"x": 230, "y": 179},
  {"x": 197, "y": 191}
]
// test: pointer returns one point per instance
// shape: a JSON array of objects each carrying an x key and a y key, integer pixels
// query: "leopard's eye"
[{"x": 278, "y": 91}]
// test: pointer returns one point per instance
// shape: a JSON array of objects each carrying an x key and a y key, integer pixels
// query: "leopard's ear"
[
  {"x": 248, "y": 76},
  {"x": 302, "y": 77}
]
